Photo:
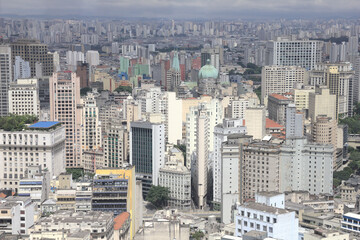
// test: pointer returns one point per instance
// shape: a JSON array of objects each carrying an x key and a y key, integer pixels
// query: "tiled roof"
[
  {"x": 272, "y": 124},
  {"x": 120, "y": 220}
]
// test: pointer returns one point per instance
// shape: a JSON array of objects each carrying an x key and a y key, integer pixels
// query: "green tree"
[
  {"x": 124, "y": 89},
  {"x": 76, "y": 172},
  {"x": 198, "y": 235},
  {"x": 85, "y": 90},
  {"x": 158, "y": 196}
]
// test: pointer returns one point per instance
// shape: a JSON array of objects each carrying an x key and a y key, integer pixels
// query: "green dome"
[{"x": 208, "y": 71}]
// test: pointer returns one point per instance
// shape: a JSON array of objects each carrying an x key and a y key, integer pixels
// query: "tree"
[
  {"x": 158, "y": 196},
  {"x": 198, "y": 235},
  {"x": 124, "y": 89},
  {"x": 76, "y": 172},
  {"x": 85, "y": 90}
]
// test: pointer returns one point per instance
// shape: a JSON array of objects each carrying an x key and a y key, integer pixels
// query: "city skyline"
[{"x": 228, "y": 9}]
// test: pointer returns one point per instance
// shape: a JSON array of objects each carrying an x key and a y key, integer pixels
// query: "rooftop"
[
  {"x": 272, "y": 124},
  {"x": 278, "y": 96},
  {"x": 44, "y": 125},
  {"x": 120, "y": 220},
  {"x": 264, "y": 208}
]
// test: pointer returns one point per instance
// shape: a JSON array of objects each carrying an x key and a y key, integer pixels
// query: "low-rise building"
[
  {"x": 99, "y": 224},
  {"x": 325, "y": 234}
]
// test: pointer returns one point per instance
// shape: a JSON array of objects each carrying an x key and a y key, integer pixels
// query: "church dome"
[{"x": 208, "y": 71}]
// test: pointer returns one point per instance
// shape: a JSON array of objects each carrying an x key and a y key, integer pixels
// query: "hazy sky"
[{"x": 185, "y": 8}]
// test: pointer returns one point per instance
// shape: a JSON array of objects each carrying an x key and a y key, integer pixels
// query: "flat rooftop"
[{"x": 44, "y": 125}]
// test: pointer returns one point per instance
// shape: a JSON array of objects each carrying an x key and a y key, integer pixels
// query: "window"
[
  {"x": 245, "y": 223},
  {"x": 268, "y": 219},
  {"x": 270, "y": 229},
  {"x": 251, "y": 225},
  {"x": 274, "y": 220},
  {"x": 264, "y": 228}
]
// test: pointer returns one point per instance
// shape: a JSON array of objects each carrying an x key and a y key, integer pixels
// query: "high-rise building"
[
  {"x": 306, "y": 166},
  {"x": 147, "y": 152},
  {"x": 33, "y": 52},
  {"x": 24, "y": 97},
  {"x": 5, "y": 78},
  {"x": 114, "y": 190},
  {"x": 66, "y": 107},
  {"x": 115, "y": 145},
  {"x": 255, "y": 119},
  {"x": 280, "y": 79},
  {"x": 21, "y": 68},
  {"x": 73, "y": 57},
  {"x": 82, "y": 71},
  {"x": 173, "y": 76},
  {"x": 294, "y": 122},
  {"x": 232, "y": 157},
  {"x": 303, "y": 53},
  {"x": 340, "y": 78},
  {"x": 45, "y": 147},
  {"x": 277, "y": 107},
  {"x": 221, "y": 132},
  {"x": 92, "y": 58},
  {"x": 200, "y": 160},
  {"x": 321, "y": 102},
  {"x": 215, "y": 55},
  {"x": 91, "y": 126}
]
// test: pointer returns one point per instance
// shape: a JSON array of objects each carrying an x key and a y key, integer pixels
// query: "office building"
[
  {"x": 74, "y": 58},
  {"x": 214, "y": 112},
  {"x": 115, "y": 145},
  {"x": 277, "y": 107},
  {"x": 82, "y": 71},
  {"x": 65, "y": 107},
  {"x": 351, "y": 223},
  {"x": 322, "y": 102},
  {"x": 147, "y": 152},
  {"x": 21, "y": 68},
  {"x": 93, "y": 160},
  {"x": 200, "y": 160},
  {"x": 5, "y": 78},
  {"x": 177, "y": 178},
  {"x": 91, "y": 126},
  {"x": 114, "y": 190},
  {"x": 24, "y": 97},
  {"x": 232, "y": 157},
  {"x": 280, "y": 80},
  {"x": 83, "y": 196},
  {"x": 238, "y": 105},
  {"x": 294, "y": 122},
  {"x": 259, "y": 169},
  {"x": 301, "y": 97},
  {"x": 33, "y": 52},
  {"x": 92, "y": 58},
  {"x": 41, "y": 144},
  {"x": 263, "y": 216},
  {"x": 255, "y": 119},
  {"x": 306, "y": 166},
  {"x": 74, "y": 225},
  {"x": 221, "y": 132},
  {"x": 303, "y": 53}
]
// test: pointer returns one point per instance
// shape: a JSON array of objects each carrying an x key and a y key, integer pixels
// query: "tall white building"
[
  {"x": 280, "y": 79},
  {"x": 200, "y": 160},
  {"x": 294, "y": 122},
  {"x": 5, "y": 78},
  {"x": 306, "y": 166},
  {"x": 92, "y": 58},
  {"x": 72, "y": 57},
  {"x": 215, "y": 114},
  {"x": 91, "y": 127},
  {"x": 221, "y": 132},
  {"x": 24, "y": 97},
  {"x": 303, "y": 53},
  {"x": 263, "y": 216},
  {"x": 43, "y": 144},
  {"x": 21, "y": 68}
]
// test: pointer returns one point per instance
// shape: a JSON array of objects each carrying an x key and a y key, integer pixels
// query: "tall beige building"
[
  {"x": 66, "y": 107},
  {"x": 280, "y": 79},
  {"x": 255, "y": 119},
  {"x": 301, "y": 97},
  {"x": 24, "y": 97},
  {"x": 115, "y": 145},
  {"x": 324, "y": 130},
  {"x": 259, "y": 169},
  {"x": 321, "y": 102}
]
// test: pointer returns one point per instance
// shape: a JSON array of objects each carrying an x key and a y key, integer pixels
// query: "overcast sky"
[{"x": 185, "y": 8}]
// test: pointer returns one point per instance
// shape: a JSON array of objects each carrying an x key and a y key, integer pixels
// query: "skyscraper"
[
  {"x": 147, "y": 152},
  {"x": 33, "y": 52},
  {"x": 65, "y": 107},
  {"x": 21, "y": 68},
  {"x": 284, "y": 52},
  {"x": 5, "y": 78},
  {"x": 294, "y": 122}
]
